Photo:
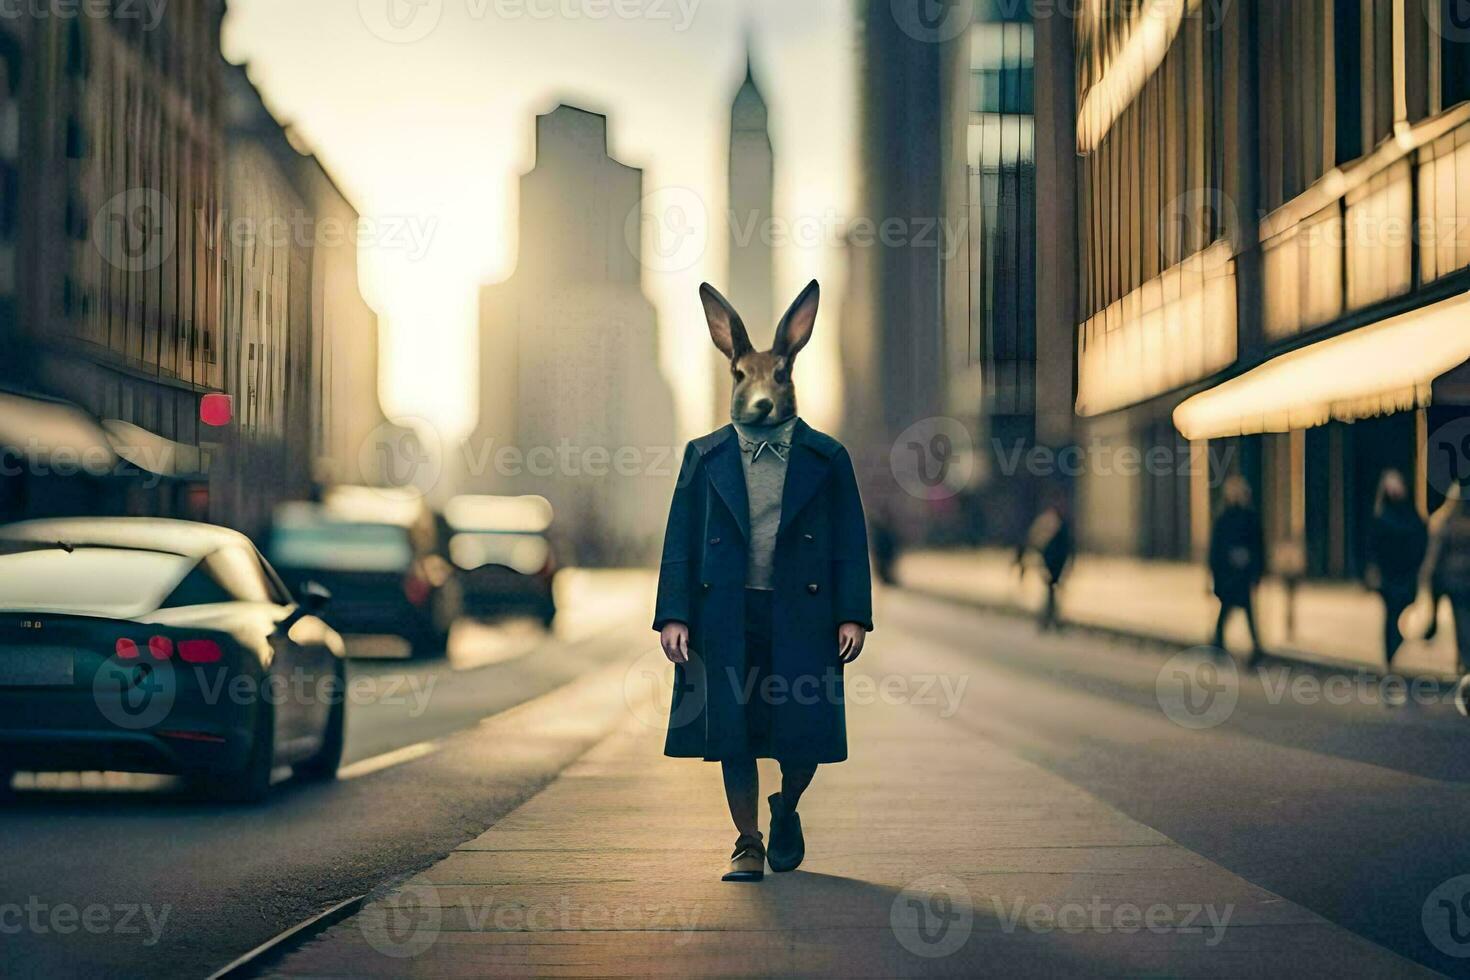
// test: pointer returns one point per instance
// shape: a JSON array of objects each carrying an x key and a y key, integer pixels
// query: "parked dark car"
[
  {"x": 377, "y": 553},
  {"x": 160, "y": 646},
  {"x": 502, "y": 549}
]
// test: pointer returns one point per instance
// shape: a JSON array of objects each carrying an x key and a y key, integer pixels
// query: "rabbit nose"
[{"x": 761, "y": 406}]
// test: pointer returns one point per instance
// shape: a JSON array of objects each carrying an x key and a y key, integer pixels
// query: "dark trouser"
[
  {"x": 1050, "y": 619},
  {"x": 1395, "y": 601},
  {"x": 1250, "y": 620},
  {"x": 742, "y": 778}
]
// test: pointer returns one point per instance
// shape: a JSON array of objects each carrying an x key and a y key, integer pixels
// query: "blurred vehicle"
[
  {"x": 161, "y": 646},
  {"x": 502, "y": 549},
  {"x": 376, "y": 551}
]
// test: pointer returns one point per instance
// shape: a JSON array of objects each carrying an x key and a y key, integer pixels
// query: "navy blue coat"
[{"x": 821, "y": 581}]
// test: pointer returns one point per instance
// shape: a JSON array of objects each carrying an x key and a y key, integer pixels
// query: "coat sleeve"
[
  {"x": 676, "y": 567},
  {"x": 851, "y": 569}
]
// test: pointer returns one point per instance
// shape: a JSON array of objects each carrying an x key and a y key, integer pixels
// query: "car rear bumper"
[{"x": 51, "y": 730}]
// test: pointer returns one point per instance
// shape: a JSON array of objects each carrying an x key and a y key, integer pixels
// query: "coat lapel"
[
  {"x": 805, "y": 472},
  {"x": 728, "y": 478}
]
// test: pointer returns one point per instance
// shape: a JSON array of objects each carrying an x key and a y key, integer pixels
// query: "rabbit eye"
[
  {"x": 782, "y": 376},
  {"x": 739, "y": 374}
]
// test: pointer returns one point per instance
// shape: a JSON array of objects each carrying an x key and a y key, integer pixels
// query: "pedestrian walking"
[
  {"x": 1050, "y": 541},
  {"x": 1397, "y": 542},
  {"x": 1448, "y": 565},
  {"x": 1237, "y": 560},
  {"x": 764, "y": 590}
]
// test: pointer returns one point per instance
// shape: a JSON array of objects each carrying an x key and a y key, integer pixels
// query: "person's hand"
[
  {"x": 674, "y": 638},
  {"x": 850, "y": 639}
]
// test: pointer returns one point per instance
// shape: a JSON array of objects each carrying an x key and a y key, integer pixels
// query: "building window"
[
  {"x": 1454, "y": 53},
  {"x": 1347, "y": 41}
]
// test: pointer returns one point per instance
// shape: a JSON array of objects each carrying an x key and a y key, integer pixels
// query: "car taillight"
[
  {"x": 416, "y": 589},
  {"x": 161, "y": 647},
  {"x": 200, "y": 651},
  {"x": 126, "y": 649}
]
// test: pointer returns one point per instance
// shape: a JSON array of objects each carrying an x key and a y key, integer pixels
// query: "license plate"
[{"x": 31, "y": 667}]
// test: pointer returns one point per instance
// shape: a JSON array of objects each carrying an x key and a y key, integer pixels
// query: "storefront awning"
[
  {"x": 45, "y": 431},
  {"x": 153, "y": 453},
  {"x": 1381, "y": 368}
]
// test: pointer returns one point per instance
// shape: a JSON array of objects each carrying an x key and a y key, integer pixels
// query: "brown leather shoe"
[{"x": 748, "y": 863}]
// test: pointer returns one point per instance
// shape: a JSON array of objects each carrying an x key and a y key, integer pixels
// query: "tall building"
[
  {"x": 902, "y": 355},
  {"x": 157, "y": 257},
  {"x": 573, "y": 404},
  {"x": 1273, "y": 279},
  {"x": 750, "y": 273}
]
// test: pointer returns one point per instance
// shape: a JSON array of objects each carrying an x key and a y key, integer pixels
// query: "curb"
[
  {"x": 1167, "y": 642},
  {"x": 273, "y": 949}
]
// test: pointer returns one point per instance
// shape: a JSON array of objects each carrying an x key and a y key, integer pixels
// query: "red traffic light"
[{"x": 216, "y": 409}]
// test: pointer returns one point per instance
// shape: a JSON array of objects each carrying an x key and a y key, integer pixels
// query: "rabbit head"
[{"x": 763, "y": 392}]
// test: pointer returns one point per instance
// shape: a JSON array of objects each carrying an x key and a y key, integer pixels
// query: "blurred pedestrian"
[
  {"x": 1050, "y": 540},
  {"x": 1432, "y": 582},
  {"x": 1397, "y": 543},
  {"x": 1237, "y": 560},
  {"x": 885, "y": 544},
  {"x": 1448, "y": 565}
]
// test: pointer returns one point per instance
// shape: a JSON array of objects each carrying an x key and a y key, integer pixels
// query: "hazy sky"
[{"x": 423, "y": 110}]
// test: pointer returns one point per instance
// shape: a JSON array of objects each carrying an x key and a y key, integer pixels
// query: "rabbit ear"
[
  {"x": 796, "y": 326},
  {"x": 725, "y": 326}
]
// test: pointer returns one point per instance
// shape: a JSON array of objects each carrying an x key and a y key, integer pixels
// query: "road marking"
[{"x": 388, "y": 760}]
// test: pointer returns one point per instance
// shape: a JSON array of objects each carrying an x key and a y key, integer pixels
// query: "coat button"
[
  {"x": 714, "y": 540},
  {"x": 808, "y": 537},
  {"x": 813, "y": 588},
  {"x": 705, "y": 586}
]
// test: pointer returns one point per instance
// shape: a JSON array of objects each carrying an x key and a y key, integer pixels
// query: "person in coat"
[
  {"x": 764, "y": 591},
  {"x": 1237, "y": 560},
  {"x": 1397, "y": 543},
  {"x": 1050, "y": 540},
  {"x": 1448, "y": 566}
]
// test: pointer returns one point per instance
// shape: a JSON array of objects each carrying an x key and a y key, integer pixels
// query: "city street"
[{"x": 1285, "y": 811}]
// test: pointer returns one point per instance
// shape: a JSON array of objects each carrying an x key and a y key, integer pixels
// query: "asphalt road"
[
  {"x": 130, "y": 877},
  {"x": 1324, "y": 791}
]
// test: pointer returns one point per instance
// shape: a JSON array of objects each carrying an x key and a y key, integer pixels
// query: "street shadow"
[{"x": 830, "y": 925}]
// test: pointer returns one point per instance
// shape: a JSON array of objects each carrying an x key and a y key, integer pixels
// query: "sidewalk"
[
  {"x": 1171, "y": 601},
  {"x": 936, "y": 853}
]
